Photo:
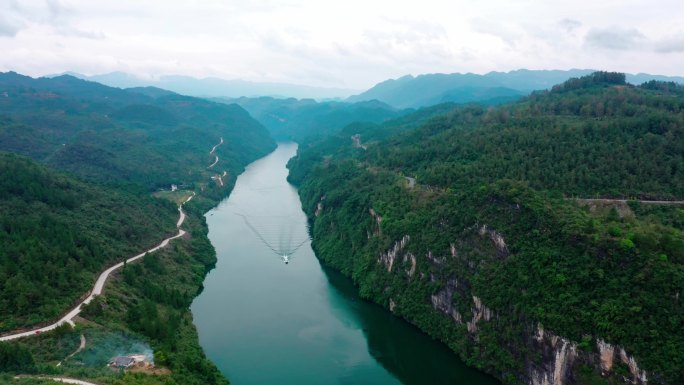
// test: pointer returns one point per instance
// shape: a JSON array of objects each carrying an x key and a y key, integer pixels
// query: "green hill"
[
  {"x": 465, "y": 225},
  {"x": 127, "y": 143},
  {"x": 493, "y": 88},
  {"x": 109, "y": 135},
  {"x": 84, "y": 202},
  {"x": 58, "y": 234},
  {"x": 307, "y": 120}
]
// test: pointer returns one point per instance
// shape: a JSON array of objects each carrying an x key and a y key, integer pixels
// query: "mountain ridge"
[
  {"x": 466, "y": 225},
  {"x": 214, "y": 86},
  {"x": 428, "y": 89}
]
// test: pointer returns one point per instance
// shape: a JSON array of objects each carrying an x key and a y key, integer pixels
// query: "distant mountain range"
[
  {"x": 491, "y": 88},
  {"x": 406, "y": 92},
  {"x": 215, "y": 87},
  {"x": 306, "y": 119}
]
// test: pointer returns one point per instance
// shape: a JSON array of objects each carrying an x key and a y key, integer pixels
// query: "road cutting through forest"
[
  {"x": 99, "y": 284},
  {"x": 102, "y": 279},
  {"x": 63, "y": 380}
]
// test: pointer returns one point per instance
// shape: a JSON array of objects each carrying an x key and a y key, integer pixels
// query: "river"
[{"x": 266, "y": 322}]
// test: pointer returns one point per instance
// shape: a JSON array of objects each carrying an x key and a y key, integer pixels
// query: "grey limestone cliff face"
[
  {"x": 389, "y": 257},
  {"x": 560, "y": 355},
  {"x": 443, "y": 300},
  {"x": 549, "y": 358},
  {"x": 377, "y": 221}
]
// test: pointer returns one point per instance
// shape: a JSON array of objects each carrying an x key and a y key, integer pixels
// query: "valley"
[
  {"x": 529, "y": 240},
  {"x": 91, "y": 225}
]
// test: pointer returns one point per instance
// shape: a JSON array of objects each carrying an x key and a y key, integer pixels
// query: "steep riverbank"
[
  {"x": 68, "y": 318},
  {"x": 263, "y": 321},
  {"x": 145, "y": 309}
]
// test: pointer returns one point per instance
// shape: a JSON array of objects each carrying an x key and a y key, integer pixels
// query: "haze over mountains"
[
  {"x": 405, "y": 92},
  {"x": 296, "y": 120},
  {"x": 215, "y": 87},
  {"x": 295, "y": 112},
  {"x": 491, "y": 88}
]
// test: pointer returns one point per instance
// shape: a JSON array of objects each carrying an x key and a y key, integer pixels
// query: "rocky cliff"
[{"x": 549, "y": 359}]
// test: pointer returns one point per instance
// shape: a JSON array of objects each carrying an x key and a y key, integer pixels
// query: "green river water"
[{"x": 266, "y": 322}]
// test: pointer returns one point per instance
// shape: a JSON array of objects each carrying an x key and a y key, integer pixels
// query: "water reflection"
[
  {"x": 265, "y": 322},
  {"x": 410, "y": 355}
]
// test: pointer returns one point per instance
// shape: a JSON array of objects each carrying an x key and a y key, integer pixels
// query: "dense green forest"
[
  {"x": 484, "y": 247},
  {"x": 58, "y": 234},
  {"x": 589, "y": 141},
  {"x": 85, "y": 201},
  {"x": 146, "y": 304},
  {"x": 140, "y": 136}
]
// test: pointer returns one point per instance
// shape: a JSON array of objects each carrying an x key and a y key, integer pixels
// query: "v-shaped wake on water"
[{"x": 276, "y": 233}]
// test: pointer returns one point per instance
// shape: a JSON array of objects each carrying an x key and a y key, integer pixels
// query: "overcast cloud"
[{"x": 352, "y": 43}]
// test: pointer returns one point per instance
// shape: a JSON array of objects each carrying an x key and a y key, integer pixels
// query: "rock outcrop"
[
  {"x": 377, "y": 220},
  {"x": 558, "y": 355},
  {"x": 319, "y": 206},
  {"x": 480, "y": 312},
  {"x": 388, "y": 258},
  {"x": 443, "y": 300},
  {"x": 495, "y": 237}
]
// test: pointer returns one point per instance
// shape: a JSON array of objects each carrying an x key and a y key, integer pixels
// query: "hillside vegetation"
[
  {"x": 79, "y": 165},
  {"x": 106, "y": 134},
  {"x": 492, "y": 88},
  {"x": 58, "y": 233},
  {"x": 484, "y": 249}
]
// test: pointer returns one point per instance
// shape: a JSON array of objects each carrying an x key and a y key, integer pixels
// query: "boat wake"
[{"x": 276, "y": 233}]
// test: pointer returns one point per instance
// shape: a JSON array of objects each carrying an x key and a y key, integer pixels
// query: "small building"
[{"x": 122, "y": 362}]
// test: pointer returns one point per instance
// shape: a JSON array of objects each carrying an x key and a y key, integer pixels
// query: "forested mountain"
[
  {"x": 105, "y": 134},
  {"x": 307, "y": 119},
  {"x": 465, "y": 225},
  {"x": 88, "y": 204},
  {"x": 58, "y": 234},
  {"x": 140, "y": 139},
  {"x": 490, "y": 89}
]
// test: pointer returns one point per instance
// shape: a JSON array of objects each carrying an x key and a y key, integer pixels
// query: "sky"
[{"x": 345, "y": 44}]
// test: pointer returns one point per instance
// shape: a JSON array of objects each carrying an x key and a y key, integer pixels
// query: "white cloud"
[
  {"x": 615, "y": 38},
  {"x": 354, "y": 43},
  {"x": 9, "y": 26},
  {"x": 669, "y": 44}
]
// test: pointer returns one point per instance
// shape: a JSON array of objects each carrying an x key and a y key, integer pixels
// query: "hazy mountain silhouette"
[
  {"x": 491, "y": 88},
  {"x": 216, "y": 87}
]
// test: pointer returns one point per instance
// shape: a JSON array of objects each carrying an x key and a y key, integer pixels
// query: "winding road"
[
  {"x": 605, "y": 200},
  {"x": 214, "y": 148},
  {"x": 99, "y": 284},
  {"x": 80, "y": 347},
  {"x": 63, "y": 380},
  {"x": 212, "y": 151},
  {"x": 97, "y": 290}
]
